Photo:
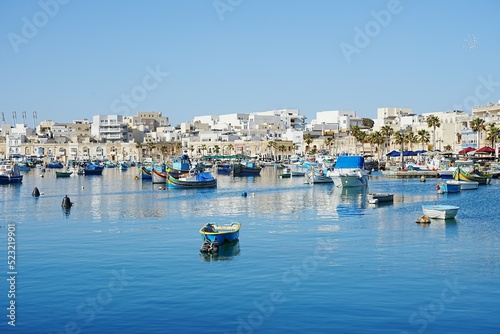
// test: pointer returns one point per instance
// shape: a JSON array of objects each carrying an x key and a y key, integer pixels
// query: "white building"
[{"x": 111, "y": 128}]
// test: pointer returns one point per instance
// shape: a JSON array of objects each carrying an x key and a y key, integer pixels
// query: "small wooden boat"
[
  {"x": 380, "y": 198},
  {"x": 158, "y": 177},
  {"x": 440, "y": 211},
  {"x": 462, "y": 175},
  {"x": 201, "y": 180},
  {"x": 246, "y": 168},
  {"x": 448, "y": 187},
  {"x": 63, "y": 174},
  {"x": 93, "y": 169},
  {"x": 221, "y": 233},
  {"x": 10, "y": 174}
]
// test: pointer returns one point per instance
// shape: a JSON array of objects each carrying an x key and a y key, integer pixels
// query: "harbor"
[{"x": 316, "y": 250}]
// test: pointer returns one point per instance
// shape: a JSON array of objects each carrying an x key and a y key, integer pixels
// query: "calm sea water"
[{"x": 310, "y": 259}]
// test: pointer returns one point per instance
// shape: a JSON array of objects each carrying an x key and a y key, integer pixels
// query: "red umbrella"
[
  {"x": 486, "y": 149},
  {"x": 467, "y": 150}
]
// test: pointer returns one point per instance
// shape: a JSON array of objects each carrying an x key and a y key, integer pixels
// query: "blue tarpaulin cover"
[
  {"x": 205, "y": 176},
  {"x": 350, "y": 161}
]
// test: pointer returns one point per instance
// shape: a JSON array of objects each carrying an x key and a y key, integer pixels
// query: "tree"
[
  {"x": 376, "y": 138},
  {"x": 433, "y": 122},
  {"x": 203, "y": 149},
  {"x": 386, "y": 131},
  {"x": 329, "y": 143},
  {"x": 163, "y": 150},
  {"x": 230, "y": 147},
  {"x": 493, "y": 135},
  {"x": 138, "y": 146},
  {"x": 308, "y": 139},
  {"x": 410, "y": 138},
  {"x": 150, "y": 147},
  {"x": 272, "y": 145},
  {"x": 368, "y": 122},
  {"x": 423, "y": 137},
  {"x": 477, "y": 124}
]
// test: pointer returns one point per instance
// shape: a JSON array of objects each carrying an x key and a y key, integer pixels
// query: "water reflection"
[{"x": 226, "y": 252}]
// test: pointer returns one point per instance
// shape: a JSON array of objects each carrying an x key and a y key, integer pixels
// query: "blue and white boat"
[
  {"x": 448, "y": 187},
  {"x": 221, "y": 233},
  {"x": 349, "y": 171}
]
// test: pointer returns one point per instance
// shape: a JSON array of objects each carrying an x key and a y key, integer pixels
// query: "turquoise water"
[{"x": 317, "y": 259}]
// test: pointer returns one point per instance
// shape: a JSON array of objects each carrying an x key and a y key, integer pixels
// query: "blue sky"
[{"x": 72, "y": 59}]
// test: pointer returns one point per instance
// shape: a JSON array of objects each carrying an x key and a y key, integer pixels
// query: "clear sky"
[{"x": 72, "y": 59}]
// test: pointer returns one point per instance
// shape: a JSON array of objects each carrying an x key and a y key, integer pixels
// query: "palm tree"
[
  {"x": 282, "y": 148},
  {"x": 272, "y": 145},
  {"x": 433, "y": 122},
  {"x": 230, "y": 147},
  {"x": 138, "y": 146},
  {"x": 386, "y": 131},
  {"x": 376, "y": 138},
  {"x": 423, "y": 137},
  {"x": 150, "y": 147},
  {"x": 477, "y": 124},
  {"x": 329, "y": 143},
  {"x": 191, "y": 149},
  {"x": 308, "y": 139},
  {"x": 203, "y": 149},
  {"x": 410, "y": 138},
  {"x": 163, "y": 150},
  {"x": 493, "y": 134}
]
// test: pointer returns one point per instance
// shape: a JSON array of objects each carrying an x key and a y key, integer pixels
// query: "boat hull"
[
  {"x": 10, "y": 179},
  {"x": 440, "y": 211},
  {"x": 448, "y": 187},
  {"x": 381, "y": 197},
  {"x": 468, "y": 185},
  {"x": 63, "y": 174},
  {"x": 223, "y": 234},
  {"x": 462, "y": 175},
  {"x": 350, "y": 180},
  {"x": 173, "y": 182},
  {"x": 158, "y": 177}
]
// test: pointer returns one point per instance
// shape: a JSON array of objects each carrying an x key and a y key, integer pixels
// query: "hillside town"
[{"x": 269, "y": 135}]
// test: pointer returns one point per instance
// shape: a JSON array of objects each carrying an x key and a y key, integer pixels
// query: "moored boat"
[
  {"x": 221, "y": 233},
  {"x": 246, "y": 168},
  {"x": 462, "y": 175},
  {"x": 200, "y": 180},
  {"x": 10, "y": 174},
  {"x": 158, "y": 176},
  {"x": 93, "y": 169},
  {"x": 380, "y": 198},
  {"x": 349, "y": 172},
  {"x": 63, "y": 174},
  {"x": 448, "y": 187},
  {"x": 440, "y": 211}
]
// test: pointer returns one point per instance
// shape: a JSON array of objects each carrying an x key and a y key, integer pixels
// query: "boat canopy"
[{"x": 350, "y": 161}]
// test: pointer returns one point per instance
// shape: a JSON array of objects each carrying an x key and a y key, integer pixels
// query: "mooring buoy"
[
  {"x": 66, "y": 202},
  {"x": 35, "y": 192}
]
